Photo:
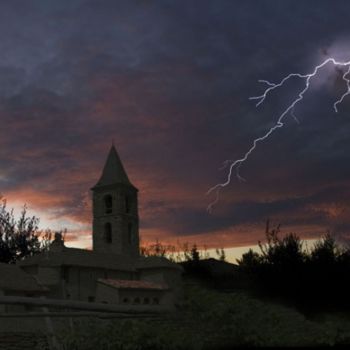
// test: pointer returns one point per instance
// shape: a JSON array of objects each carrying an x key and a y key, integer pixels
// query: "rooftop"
[
  {"x": 133, "y": 284},
  {"x": 88, "y": 258},
  {"x": 12, "y": 278},
  {"x": 151, "y": 262},
  {"x": 82, "y": 258},
  {"x": 113, "y": 171}
]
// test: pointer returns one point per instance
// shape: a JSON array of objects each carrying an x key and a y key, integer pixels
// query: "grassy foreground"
[{"x": 210, "y": 319}]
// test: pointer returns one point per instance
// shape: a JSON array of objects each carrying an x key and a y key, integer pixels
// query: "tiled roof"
[
  {"x": 81, "y": 257},
  {"x": 151, "y": 262},
  {"x": 89, "y": 258},
  {"x": 12, "y": 278},
  {"x": 133, "y": 284}
]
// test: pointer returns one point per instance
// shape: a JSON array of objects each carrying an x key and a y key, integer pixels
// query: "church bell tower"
[{"x": 115, "y": 210}]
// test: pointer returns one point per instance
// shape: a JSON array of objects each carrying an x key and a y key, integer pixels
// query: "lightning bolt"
[{"x": 235, "y": 165}]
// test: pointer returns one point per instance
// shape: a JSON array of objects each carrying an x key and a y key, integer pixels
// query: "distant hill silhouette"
[{"x": 218, "y": 273}]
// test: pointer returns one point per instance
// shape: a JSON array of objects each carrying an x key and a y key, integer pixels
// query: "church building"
[{"x": 113, "y": 272}]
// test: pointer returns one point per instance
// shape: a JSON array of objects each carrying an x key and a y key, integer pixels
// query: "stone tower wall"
[{"x": 122, "y": 216}]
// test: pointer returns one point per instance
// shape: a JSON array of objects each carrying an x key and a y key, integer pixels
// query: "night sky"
[{"x": 169, "y": 82}]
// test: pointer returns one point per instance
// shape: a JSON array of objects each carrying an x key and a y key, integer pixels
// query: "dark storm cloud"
[
  {"x": 170, "y": 81},
  {"x": 291, "y": 211}
]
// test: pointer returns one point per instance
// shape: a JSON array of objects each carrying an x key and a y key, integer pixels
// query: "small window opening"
[
  {"x": 125, "y": 301},
  {"x": 108, "y": 232},
  {"x": 146, "y": 301},
  {"x": 108, "y": 204},
  {"x": 91, "y": 299},
  {"x": 155, "y": 301}
]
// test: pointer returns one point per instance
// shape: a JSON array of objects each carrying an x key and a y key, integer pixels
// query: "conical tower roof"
[{"x": 113, "y": 171}]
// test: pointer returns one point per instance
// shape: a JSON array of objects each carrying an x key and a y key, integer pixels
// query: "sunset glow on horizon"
[{"x": 170, "y": 85}]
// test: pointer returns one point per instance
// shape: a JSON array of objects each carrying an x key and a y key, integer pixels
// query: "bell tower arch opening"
[{"x": 108, "y": 201}]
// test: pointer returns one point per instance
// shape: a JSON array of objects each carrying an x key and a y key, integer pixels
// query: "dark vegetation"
[
  {"x": 20, "y": 238},
  {"x": 179, "y": 253},
  {"x": 316, "y": 278},
  {"x": 225, "y": 305},
  {"x": 209, "y": 319},
  {"x": 248, "y": 304},
  {"x": 284, "y": 269}
]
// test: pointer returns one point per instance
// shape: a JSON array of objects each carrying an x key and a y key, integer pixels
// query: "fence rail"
[
  {"x": 86, "y": 306},
  {"x": 63, "y": 314}
]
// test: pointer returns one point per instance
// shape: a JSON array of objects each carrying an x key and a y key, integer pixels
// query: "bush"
[
  {"x": 309, "y": 278},
  {"x": 208, "y": 319}
]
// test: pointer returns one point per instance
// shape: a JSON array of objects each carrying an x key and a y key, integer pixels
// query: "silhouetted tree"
[
  {"x": 158, "y": 249},
  {"x": 285, "y": 268},
  {"x": 195, "y": 253},
  {"x": 206, "y": 254},
  {"x": 285, "y": 251},
  {"x": 221, "y": 254},
  {"x": 326, "y": 250},
  {"x": 20, "y": 237},
  {"x": 249, "y": 261}
]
